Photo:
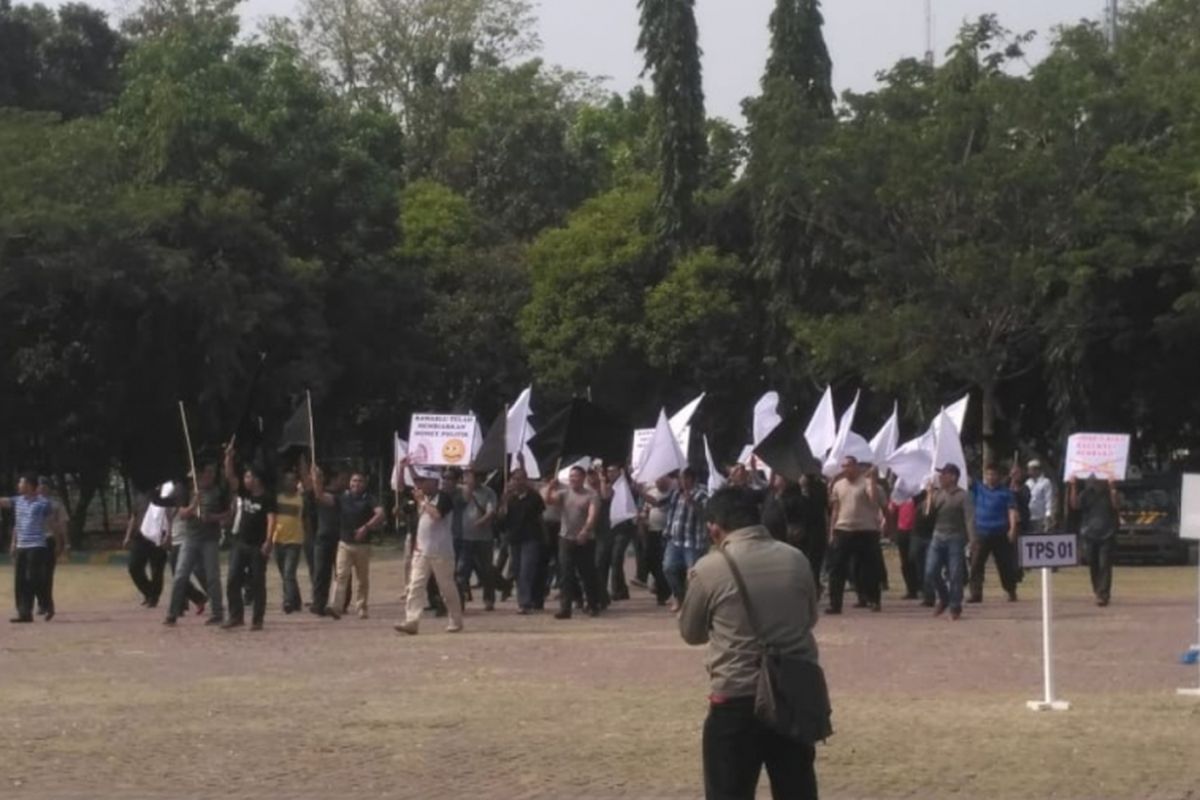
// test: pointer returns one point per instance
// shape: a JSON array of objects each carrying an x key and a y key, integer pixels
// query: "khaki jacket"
[{"x": 783, "y": 591}]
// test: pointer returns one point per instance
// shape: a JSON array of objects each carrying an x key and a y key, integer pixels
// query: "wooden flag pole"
[
  {"x": 187, "y": 437},
  {"x": 312, "y": 434}
]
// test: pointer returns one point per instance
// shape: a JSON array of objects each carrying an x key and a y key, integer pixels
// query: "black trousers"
[
  {"x": 654, "y": 549},
  {"x": 45, "y": 592},
  {"x": 813, "y": 545},
  {"x": 549, "y": 565},
  {"x": 913, "y": 578},
  {"x": 604, "y": 557},
  {"x": 863, "y": 548},
  {"x": 1100, "y": 564},
  {"x": 29, "y": 577},
  {"x": 1000, "y": 549},
  {"x": 192, "y": 593},
  {"x": 477, "y": 557},
  {"x": 247, "y": 570},
  {"x": 737, "y": 746},
  {"x": 918, "y": 552},
  {"x": 623, "y": 535},
  {"x": 144, "y": 553},
  {"x": 324, "y": 559},
  {"x": 576, "y": 567}
]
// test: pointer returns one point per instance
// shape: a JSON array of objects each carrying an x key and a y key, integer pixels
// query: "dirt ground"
[{"x": 106, "y": 702}]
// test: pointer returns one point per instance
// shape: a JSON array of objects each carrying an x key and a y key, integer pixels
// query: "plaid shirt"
[{"x": 685, "y": 521}]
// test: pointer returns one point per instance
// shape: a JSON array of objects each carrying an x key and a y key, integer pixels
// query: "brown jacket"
[{"x": 784, "y": 594}]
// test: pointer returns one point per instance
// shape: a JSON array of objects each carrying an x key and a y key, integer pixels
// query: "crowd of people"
[{"x": 551, "y": 541}]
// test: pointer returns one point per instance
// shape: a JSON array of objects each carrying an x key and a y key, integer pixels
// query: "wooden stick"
[
  {"x": 187, "y": 437},
  {"x": 312, "y": 434}
]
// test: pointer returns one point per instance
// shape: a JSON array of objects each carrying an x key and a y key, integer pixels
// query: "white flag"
[
  {"x": 833, "y": 462},
  {"x": 399, "y": 451},
  {"x": 885, "y": 442},
  {"x": 948, "y": 448},
  {"x": 516, "y": 432},
  {"x": 477, "y": 443},
  {"x": 958, "y": 413},
  {"x": 766, "y": 416},
  {"x": 681, "y": 423},
  {"x": 623, "y": 508},
  {"x": 663, "y": 455},
  {"x": 912, "y": 462},
  {"x": 822, "y": 428},
  {"x": 584, "y": 463},
  {"x": 715, "y": 479}
]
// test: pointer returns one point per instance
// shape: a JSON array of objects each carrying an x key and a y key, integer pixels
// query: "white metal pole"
[{"x": 1047, "y": 703}]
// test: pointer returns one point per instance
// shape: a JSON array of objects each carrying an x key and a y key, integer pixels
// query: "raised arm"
[{"x": 231, "y": 475}]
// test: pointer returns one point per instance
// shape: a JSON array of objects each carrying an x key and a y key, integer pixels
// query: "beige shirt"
[
  {"x": 856, "y": 511},
  {"x": 784, "y": 595}
]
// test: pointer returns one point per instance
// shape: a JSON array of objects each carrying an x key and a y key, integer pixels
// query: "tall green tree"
[{"x": 669, "y": 42}]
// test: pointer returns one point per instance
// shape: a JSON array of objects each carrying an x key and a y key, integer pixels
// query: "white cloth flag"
[
  {"x": 399, "y": 451},
  {"x": 766, "y": 416},
  {"x": 516, "y": 432},
  {"x": 912, "y": 462},
  {"x": 477, "y": 444},
  {"x": 833, "y": 462},
  {"x": 746, "y": 456},
  {"x": 885, "y": 442},
  {"x": 822, "y": 428},
  {"x": 584, "y": 463},
  {"x": 155, "y": 522},
  {"x": 958, "y": 413},
  {"x": 715, "y": 479},
  {"x": 948, "y": 448},
  {"x": 681, "y": 423},
  {"x": 663, "y": 455},
  {"x": 623, "y": 508},
  {"x": 859, "y": 448}
]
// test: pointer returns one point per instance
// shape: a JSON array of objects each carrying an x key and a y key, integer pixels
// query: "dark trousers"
[
  {"x": 737, "y": 746},
  {"x": 310, "y": 545},
  {"x": 45, "y": 592},
  {"x": 144, "y": 553},
  {"x": 813, "y": 544},
  {"x": 639, "y": 555},
  {"x": 604, "y": 557},
  {"x": 287, "y": 560},
  {"x": 655, "y": 548},
  {"x": 623, "y": 535},
  {"x": 549, "y": 566},
  {"x": 477, "y": 557},
  {"x": 526, "y": 563},
  {"x": 1100, "y": 563},
  {"x": 576, "y": 567},
  {"x": 863, "y": 548},
  {"x": 324, "y": 558},
  {"x": 913, "y": 577},
  {"x": 1001, "y": 550},
  {"x": 918, "y": 555},
  {"x": 29, "y": 577},
  {"x": 247, "y": 570}
]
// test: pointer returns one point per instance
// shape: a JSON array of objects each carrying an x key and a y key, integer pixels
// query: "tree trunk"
[
  {"x": 79, "y": 516},
  {"x": 989, "y": 423},
  {"x": 104, "y": 512}
]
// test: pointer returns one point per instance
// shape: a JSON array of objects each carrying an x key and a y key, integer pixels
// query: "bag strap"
[{"x": 741, "y": 587}]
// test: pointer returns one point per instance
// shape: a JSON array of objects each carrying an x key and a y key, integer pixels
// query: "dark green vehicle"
[{"x": 1149, "y": 531}]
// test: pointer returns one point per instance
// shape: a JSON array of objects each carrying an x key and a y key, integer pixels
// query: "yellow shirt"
[{"x": 289, "y": 525}]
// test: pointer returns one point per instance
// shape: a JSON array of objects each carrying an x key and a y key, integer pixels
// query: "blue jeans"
[
  {"x": 526, "y": 556},
  {"x": 677, "y": 560},
  {"x": 287, "y": 559},
  {"x": 198, "y": 554},
  {"x": 946, "y": 552}
]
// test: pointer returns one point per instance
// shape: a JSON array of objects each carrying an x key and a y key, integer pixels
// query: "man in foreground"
[
  {"x": 30, "y": 551},
  {"x": 950, "y": 508},
  {"x": 856, "y": 506},
  {"x": 997, "y": 522},
  {"x": 433, "y": 555},
  {"x": 736, "y": 743}
]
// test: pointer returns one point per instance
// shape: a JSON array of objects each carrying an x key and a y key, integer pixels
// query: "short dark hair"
[
  {"x": 732, "y": 508},
  {"x": 578, "y": 469},
  {"x": 30, "y": 477},
  {"x": 453, "y": 473},
  {"x": 689, "y": 473},
  {"x": 993, "y": 467}
]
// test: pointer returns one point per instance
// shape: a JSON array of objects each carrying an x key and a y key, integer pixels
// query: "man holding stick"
[
  {"x": 251, "y": 544},
  {"x": 433, "y": 554},
  {"x": 358, "y": 515}
]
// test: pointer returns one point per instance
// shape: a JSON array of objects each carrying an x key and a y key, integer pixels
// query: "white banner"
[
  {"x": 1189, "y": 514},
  {"x": 441, "y": 440},
  {"x": 1105, "y": 455}
]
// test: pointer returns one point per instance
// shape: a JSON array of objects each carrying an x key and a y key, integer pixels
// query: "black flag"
[
  {"x": 786, "y": 449},
  {"x": 492, "y": 452},
  {"x": 581, "y": 428}
]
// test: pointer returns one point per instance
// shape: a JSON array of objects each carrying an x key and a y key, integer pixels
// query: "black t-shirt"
[
  {"x": 523, "y": 519},
  {"x": 252, "y": 519},
  {"x": 356, "y": 511},
  {"x": 786, "y": 515}
]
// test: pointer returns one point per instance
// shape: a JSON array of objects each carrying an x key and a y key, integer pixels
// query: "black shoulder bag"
[{"x": 791, "y": 697}]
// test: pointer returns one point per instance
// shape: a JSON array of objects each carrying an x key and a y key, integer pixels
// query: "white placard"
[
  {"x": 441, "y": 440},
  {"x": 1105, "y": 455},
  {"x": 1040, "y": 552},
  {"x": 641, "y": 440},
  {"x": 1189, "y": 512}
]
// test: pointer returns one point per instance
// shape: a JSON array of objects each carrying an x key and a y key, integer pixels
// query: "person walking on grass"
[
  {"x": 1099, "y": 507},
  {"x": 251, "y": 544},
  {"x": 997, "y": 522},
  {"x": 358, "y": 515},
  {"x": 195, "y": 544},
  {"x": 325, "y": 541},
  {"x": 29, "y": 549},
  {"x": 56, "y": 544},
  {"x": 433, "y": 554},
  {"x": 580, "y": 508},
  {"x": 478, "y": 538},
  {"x": 521, "y": 515},
  {"x": 856, "y": 505},
  {"x": 147, "y": 538},
  {"x": 287, "y": 539},
  {"x": 952, "y": 513},
  {"x": 684, "y": 534}
]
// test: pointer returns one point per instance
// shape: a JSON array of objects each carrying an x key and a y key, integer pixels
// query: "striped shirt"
[
  {"x": 685, "y": 521},
  {"x": 31, "y": 516}
]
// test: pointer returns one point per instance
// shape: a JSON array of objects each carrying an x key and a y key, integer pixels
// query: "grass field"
[{"x": 106, "y": 702}]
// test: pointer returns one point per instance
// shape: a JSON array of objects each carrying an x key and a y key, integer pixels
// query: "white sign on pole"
[
  {"x": 641, "y": 440},
  {"x": 1189, "y": 512},
  {"x": 1105, "y": 455},
  {"x": 1043, "y": 552},
  {"x": 441, "y": 440}
]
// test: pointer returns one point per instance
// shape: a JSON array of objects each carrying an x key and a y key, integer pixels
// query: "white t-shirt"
[{"x": 435, "y": 538}]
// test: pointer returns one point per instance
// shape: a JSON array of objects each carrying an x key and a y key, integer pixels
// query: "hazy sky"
[{"x": 864, "y": 36}]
